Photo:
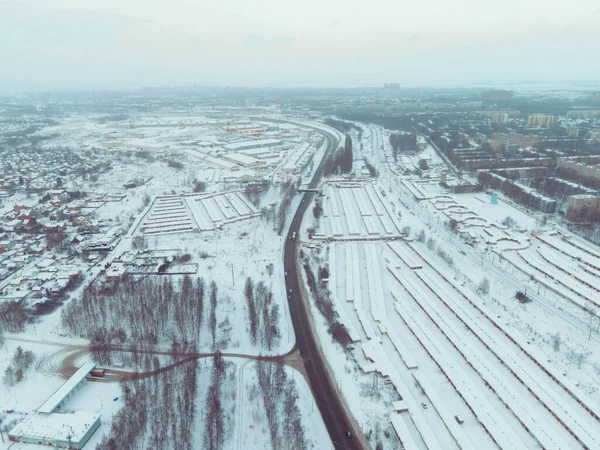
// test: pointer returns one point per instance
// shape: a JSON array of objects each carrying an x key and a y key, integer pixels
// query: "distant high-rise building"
[
  {"x": 583, "y": 113},
  {"x": 540, "y": 120},
  {"x": 583, "y": 207},
  {"x": 499, "y": 141},
  {"x": 499, "y": 118}
]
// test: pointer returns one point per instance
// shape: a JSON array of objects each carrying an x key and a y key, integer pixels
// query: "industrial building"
[
  {"x": 63, "y": 430},
  {"x": 297, "y": 159},
  {"x": 248, "y": 129},
  {"x": 243, "y": 160},
  {"x": 52, "y": 428},
  {"x": 64, "y": 392},
  {"x": 246, "y": 145}
]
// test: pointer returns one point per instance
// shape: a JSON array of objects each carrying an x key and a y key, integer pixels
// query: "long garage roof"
[{"x": 59, "y": 395}]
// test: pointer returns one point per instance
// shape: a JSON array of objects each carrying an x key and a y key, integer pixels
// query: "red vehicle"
[{"x": 98, "y": 372}]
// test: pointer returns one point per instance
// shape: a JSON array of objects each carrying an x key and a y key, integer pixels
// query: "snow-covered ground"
[
  {"x": 518, "y": 375},
  {"x": 227, "y": 241}
]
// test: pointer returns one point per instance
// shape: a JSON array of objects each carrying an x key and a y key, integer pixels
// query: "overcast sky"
[{"x": 128, "y": 43}]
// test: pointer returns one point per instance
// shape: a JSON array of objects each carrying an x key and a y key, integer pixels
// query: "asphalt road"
[{"x": 323, "y": 387}]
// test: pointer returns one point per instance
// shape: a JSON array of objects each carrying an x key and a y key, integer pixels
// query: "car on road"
[
  {"x": 290, "y": 291},
  {"x": 348, "y": 434},
  {"x": 424, "y": 405},
  {"x": 285, "y": 273}
]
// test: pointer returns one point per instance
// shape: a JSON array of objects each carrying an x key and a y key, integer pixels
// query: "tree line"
[
  {"x": 280, "y": 397},
  {"x": 323, "y": 302},
  {"x": 139, "y": 310},
  {"x": 263, "y": 314},
  {"x": 13, "y": 316},
  {"x": 340, "y": 161},
  {"x": 403, "y": 142},
  {"x": 158, "y": 412},
  {"x": 342, "y": 126},
  {"x": 219, "y": 421},
  {"x": 19, "y": 363}
]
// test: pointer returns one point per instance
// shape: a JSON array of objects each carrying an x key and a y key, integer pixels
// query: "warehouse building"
[
  {"x": 70, "y": 430},
  {"x": 57, "y": 399},
  {"x": 246, "y": 145},
  {"x": 243, "y": 160},
  {"x": 50, "y": 427}
]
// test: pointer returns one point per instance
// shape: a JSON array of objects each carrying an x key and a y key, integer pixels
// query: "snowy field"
[{"x": 44, "y": 377}]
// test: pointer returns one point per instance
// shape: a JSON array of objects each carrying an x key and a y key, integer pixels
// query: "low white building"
[
  {"x": 64, "y": 430},
  {"x": 243, "y": 160}
]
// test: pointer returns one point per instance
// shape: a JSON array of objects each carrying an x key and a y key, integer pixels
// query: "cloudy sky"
[{"x": 127, "y": 43}]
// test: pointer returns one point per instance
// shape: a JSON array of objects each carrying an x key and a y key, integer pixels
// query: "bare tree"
[
  {"x": 556, "y": 341},
  {"x": 484, "y": 286},
  {"x": 213, "y": 312}
]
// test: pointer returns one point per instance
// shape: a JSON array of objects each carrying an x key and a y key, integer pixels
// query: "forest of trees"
[
  {"x": 280, "y": 397},
  {"x": 19, "y": 363},
  {"x": 371, "y": 168},
  {"x": 13, "y": 316},
  {"x": 342, "y": 126},
  {"x": 323, "y": 302},
  {"x": 284, "y": 206},
  {"x": 277, "y": 214},
  {"x": 216, "y": 417},
  {"x": 140, "y": 310},
  {"x": 263, "y": 315},
  {"x": 158, "y": 412},
  {"x": 403, "y": 142},
  {"x": 340, "y": 161}
]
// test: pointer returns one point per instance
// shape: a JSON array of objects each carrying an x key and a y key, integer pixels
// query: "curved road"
[{"x": 324, "y": 389}]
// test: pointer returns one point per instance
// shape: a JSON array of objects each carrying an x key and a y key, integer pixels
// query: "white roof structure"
[
  {"x": 56, "y": 427},
  {"x": 243, "y": 160},
  {"x": 253, "y": 144},
  {"x": 117, "y": 270},
  {"x": 59, "y": 395}
]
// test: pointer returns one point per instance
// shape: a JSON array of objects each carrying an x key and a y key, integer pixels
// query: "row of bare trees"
[
  {"x": 263, "y": 314},
  {"x": 284, "y": 205},
  {"x": 20, "y": 362},
  {"x": 13, "y": 316},
  {"x": 280, "y": 397},
  {"x": 158, "y": 412},
  {"x": 141, "y": 310},
  {"x": 214, "y": 433}
]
